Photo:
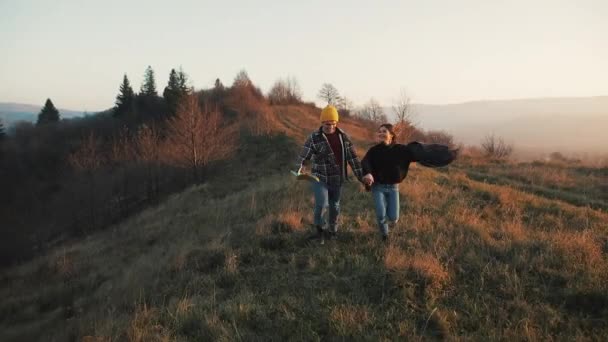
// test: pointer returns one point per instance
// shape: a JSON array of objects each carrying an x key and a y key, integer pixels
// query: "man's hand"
[{"x": 368, "y": 179}]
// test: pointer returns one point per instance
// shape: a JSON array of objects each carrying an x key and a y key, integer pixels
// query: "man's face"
[{"x": 329, "y": 127}]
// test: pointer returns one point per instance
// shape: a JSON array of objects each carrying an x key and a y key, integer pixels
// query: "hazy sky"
[{"x": 75, "y": 52}]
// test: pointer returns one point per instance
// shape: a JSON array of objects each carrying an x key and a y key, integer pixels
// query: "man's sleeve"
[
  {"x": 306, "y": 153},
  {"x": 353, "y": 160}
]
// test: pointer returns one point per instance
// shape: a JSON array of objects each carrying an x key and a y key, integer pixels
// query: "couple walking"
[{"x": 384, "y": 166}]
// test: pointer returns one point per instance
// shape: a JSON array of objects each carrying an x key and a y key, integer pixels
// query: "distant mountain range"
[
  {"x": 10, "y": 113},
  {"x": 567, "y": 124},
  {"x": 550, "y": 124}
]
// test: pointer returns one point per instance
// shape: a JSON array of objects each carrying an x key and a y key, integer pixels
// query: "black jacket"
[{"x": 389, "y": 164}]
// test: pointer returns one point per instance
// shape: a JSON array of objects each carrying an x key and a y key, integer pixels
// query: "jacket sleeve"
[
  {"x": 306, "y": 153},
  {"x": 352, "y": 159},
  {"x": 366, "y": 163},
  {"x": 431, "y": 155}
]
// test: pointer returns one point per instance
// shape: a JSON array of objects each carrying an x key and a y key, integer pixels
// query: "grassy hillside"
[{"x": 229, "y": 260}]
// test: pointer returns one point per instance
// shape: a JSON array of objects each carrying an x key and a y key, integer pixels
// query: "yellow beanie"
[{"x": 329, "y": 113}]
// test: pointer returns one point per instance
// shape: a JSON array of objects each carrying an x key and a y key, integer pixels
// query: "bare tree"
[
  {"x": 285, "y": 91},
  {"x": 121, "y": 153},
  {"x": 496, "y": 147},
  {"x": 148, "y": 152},
  {"x": 440, "y": 137},
  {"x": 195, "y": 136},
  {"x": 293, "y": 89},
  {"x": 242, "y": 80},
  {"x": 404, "y": 125},
  {"x": 278, "y": 94},
  {"x": 402, "y": 108},
  {"x": 88, "y": 156},
  {"x": 329, "y": 94},
  {"x": 373, "y": 111},
  {"x": 88, "y": 159},
  {"x": 405, "y": 131},
  {"x": 345, "y": 106}
]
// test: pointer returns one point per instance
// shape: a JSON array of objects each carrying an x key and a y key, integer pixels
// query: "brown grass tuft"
[
  {"x": 577, "y": 248},
  {"x": 89, "y": 338},
  {"x": 183, "y": 306},
  {"x": 144, "y": 326},
  {"x": 292, "y": 219},
  {"x": 395, "y": 259},
  {"x": 263, "y": 226},
  {"x": 231, "y": 265},
  {"x": 363, "y": 224},
  {"x": 349, "y": 319},
  {"x": 430, "y": 269},
  {"x": 179, "y": 261},
  {"x": 284, "y": 222},
  {"x": 423, "y": 265},
  {"x": 514, "y": 230},
  {"x": 64, "y": 265}
]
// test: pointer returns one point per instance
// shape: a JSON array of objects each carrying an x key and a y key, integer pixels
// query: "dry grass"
[
  {"x": 558, "y": 177},
  {"x": 63, "y": 264},
  {"x": 395, "y": 259},
  {"x": 582, "y": 249},
  {"x": 349, "y": 320},
  {"x": 429, "y": 269},
  {"x": 144, "y": 326},
  {"x": 424, "y": 266},
  {"x": 468, "y": 260},
  {"x": 364, "y": 225},
  {"x": 231, "y": 265},
  {"x": 95, "y": 339}
]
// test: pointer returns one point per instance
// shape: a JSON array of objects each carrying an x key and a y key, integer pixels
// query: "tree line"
[{"x": 68, "y": 177}]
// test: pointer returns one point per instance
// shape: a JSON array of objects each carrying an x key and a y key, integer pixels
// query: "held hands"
[{"x": 368, "y": 179}]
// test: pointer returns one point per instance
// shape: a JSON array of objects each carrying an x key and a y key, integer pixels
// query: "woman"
[{"x": 385, "y": 166}]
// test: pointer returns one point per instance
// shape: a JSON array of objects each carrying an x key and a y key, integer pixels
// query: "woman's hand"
[{"x": 368, "y": 179}]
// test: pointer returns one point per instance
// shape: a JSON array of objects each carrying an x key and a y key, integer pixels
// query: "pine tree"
[
  {"x": 2, "y": 131},
  {"x": 170, "y": 93},
  {"x": 148, "y": 88},
  {"x": 176, "y": 89},
  {"x": 218, "y": 85},
  {"x": 124, "y": 99},
  {"x": 49, "y": 114},
  {"x": 182, "y": 79}
]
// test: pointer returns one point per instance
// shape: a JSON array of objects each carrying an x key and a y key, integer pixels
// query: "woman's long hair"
[{"x": 391, "y": 129}]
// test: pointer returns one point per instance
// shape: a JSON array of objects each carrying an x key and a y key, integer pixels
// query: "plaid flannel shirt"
[{"x": 324, "y": 164}]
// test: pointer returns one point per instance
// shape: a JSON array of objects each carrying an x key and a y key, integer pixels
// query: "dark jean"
[
  {"x": 326, "y": 196},
  {"x": 386, "y": 199}
]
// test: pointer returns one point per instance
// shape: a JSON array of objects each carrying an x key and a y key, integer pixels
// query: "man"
[{"x": 330, "y": 149}]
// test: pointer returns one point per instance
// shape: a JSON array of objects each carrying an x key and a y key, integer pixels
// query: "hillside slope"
[{"x": 229, "y": 260}]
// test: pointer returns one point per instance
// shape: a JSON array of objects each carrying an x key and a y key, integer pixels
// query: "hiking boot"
[{"x": 318, "y": 235}]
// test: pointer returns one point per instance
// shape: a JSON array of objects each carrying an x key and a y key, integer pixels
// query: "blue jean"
[
  {"x": 326, "y": 196},
  {"x": 386, "y": 199}
]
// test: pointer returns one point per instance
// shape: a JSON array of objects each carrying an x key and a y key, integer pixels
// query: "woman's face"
[{"x": 384, "y": 136}]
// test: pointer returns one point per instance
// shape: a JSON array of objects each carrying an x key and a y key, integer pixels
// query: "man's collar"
[{"x": 338, "y": 130}]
